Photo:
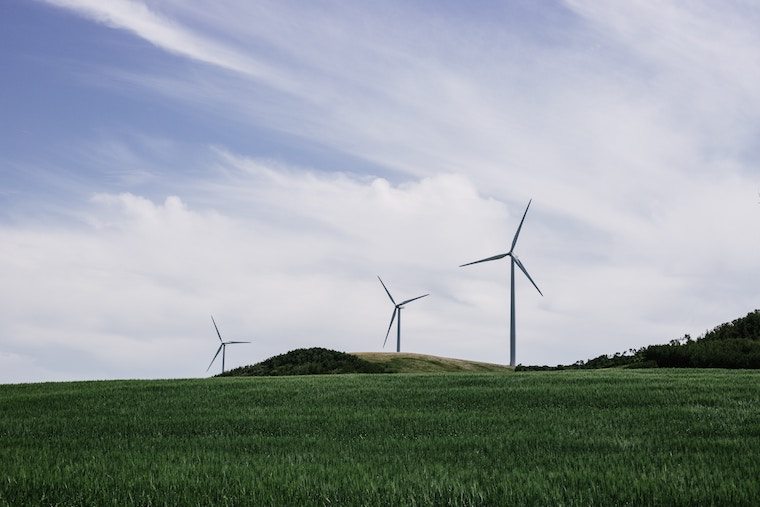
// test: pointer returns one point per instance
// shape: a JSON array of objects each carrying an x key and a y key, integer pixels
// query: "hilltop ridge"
[
  {"x": 408, "y": 362},
  {"x": 321, "y": 361}
]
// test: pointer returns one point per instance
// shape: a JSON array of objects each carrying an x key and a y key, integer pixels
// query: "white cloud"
[
  {"x": 131, "y": 289},
  {"x": 633, "y": 128},
  {"x": 166, "y": 34},
  {"x": 18, "y": 368},
  {"x": 290, "y": 260}
]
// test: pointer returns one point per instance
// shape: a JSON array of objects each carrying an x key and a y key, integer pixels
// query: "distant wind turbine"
[
  {"x": 396, "y": 310},
  {"x": 222, "y": 348},
  {"x": 514, "y": 261}
]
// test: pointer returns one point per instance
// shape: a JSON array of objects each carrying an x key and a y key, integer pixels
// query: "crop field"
[{"x": 636, "y": 437}]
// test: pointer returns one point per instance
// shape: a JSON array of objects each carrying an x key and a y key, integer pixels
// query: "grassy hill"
[
  {"x": 320, "y": 361},
  {"x": 602, "y": 437},
  {"x": 405, "y": 362}
]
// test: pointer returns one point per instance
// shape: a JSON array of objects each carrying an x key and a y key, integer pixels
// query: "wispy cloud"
[
  {"x": 632, "y": 126},
  {"x": 168, "y": 35}
]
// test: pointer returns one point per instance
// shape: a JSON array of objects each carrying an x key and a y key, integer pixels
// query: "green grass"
[
  {"x": 637, "y": 437},
  {"x": 404, "y": 362}
]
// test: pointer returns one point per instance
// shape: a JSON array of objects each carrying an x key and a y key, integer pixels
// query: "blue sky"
[{"x": 264, "y": 161}]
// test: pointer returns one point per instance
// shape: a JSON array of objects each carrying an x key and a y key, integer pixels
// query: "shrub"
[{"x": 312, "y": 361}]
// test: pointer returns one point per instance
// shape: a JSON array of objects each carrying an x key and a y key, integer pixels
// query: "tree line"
[{"x": 734, "y": 344}]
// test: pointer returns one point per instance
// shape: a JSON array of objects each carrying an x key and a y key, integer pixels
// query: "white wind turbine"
[{"x": 514, "y": 262}]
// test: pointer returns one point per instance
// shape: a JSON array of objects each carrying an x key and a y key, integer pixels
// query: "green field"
[{"x": 601, "y": 437}]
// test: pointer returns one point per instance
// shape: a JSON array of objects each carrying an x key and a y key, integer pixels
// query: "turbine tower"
[
  {"x": 396, "y": 310},
  {"x": 222, "y": 348},
  {"x": 514, "y": 261}
]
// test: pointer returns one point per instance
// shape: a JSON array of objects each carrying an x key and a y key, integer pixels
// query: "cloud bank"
[{"x": 409, "y": 140}]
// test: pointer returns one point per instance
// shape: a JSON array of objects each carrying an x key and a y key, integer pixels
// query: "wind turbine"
[
  {"x": 396, "y": 310},
  {"x": 222, "y": 348},
  {"x": 514, "y": 261}
]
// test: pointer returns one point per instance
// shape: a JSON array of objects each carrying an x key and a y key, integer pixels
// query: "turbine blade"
[
  {"x": 522, "y": 268},
  {"x": 413, "y": 299},
  {"x": 500, "y": 256},
  {"x": 215, "y": 356},
  {"x": 217, "y": 329},
  {"x": 390, "y": 326},
  {"x": 386, "y": 290},
  {"x": 227, "y": 343},
  {"x": 514, "y": 240}
]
